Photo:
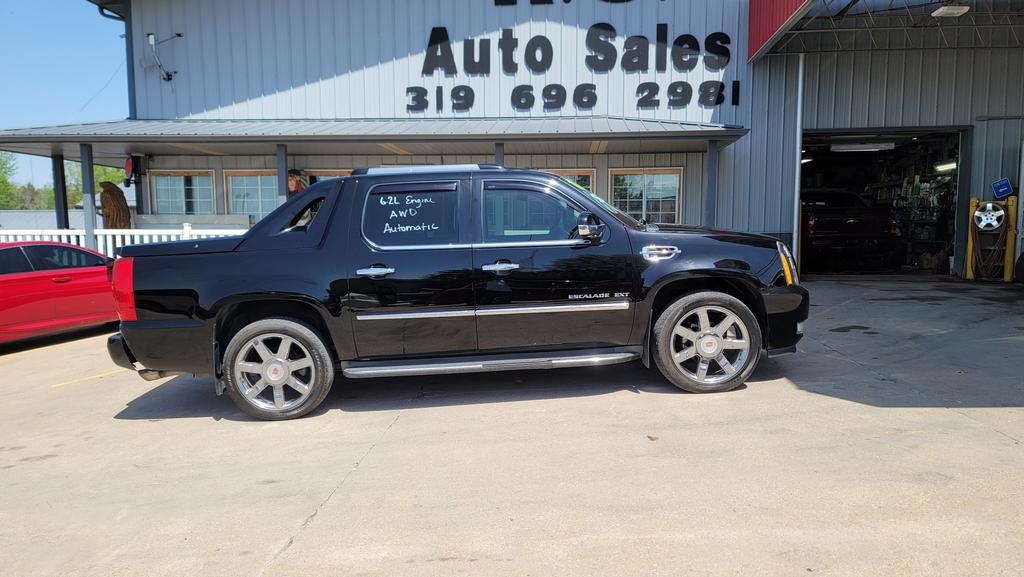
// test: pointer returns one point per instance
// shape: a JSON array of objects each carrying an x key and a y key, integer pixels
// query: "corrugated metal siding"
[
  {"x": 979, "y": 88},
  {"x": 354, "y": 58},
  {"x": 277, "y": 59}
]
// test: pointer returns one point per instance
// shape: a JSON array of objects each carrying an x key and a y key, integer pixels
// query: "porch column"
[
  {"x": 711, "y": 192},
  {"x": 282, "y": 170},
  {"x": 88, "y": 195},
  {"x": 499, "y": 153},
  {"x": 798, "y": 152},
  {"x": 60, "y": 191}
]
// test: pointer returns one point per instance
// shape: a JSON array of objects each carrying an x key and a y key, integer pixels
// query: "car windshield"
[{"x": 623, "y": 217}]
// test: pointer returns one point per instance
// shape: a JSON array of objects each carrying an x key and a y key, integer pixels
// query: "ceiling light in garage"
[
  {"x": 863, "y": 147},
  {"x": 951, "y": 10},
  {"x": 805, "y": 160},
  {"x": 946, "y": 166}
]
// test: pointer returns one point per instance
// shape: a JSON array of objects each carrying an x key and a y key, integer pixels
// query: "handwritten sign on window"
[{"x": 411, "y": 218}]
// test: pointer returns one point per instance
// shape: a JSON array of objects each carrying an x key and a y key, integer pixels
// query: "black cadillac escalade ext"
[{"x": 445, "y": 269}]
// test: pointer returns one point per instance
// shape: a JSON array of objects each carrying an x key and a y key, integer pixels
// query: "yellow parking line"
[{"x": 89, "y": 378}]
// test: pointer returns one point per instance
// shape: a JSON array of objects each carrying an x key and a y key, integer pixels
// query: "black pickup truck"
[{"x": 447, "y": 269}]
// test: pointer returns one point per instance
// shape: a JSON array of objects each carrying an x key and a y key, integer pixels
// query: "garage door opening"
[{"x": 879, "y": 203}]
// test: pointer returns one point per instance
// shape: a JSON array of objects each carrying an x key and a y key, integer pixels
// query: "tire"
[
  {"x": 684, "y": 340},
  {"x": 268, "y": 383}
]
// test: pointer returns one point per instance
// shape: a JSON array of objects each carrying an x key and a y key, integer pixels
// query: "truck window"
[
  {"x": 527, "y": 215},
  {"x": 305, "y": 217},
  {"x": 402, "y": 215}
]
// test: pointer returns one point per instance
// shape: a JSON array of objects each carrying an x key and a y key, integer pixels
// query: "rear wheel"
[
  {"x": 277, "y": 369},
  {"x": 707, "y": 342}
]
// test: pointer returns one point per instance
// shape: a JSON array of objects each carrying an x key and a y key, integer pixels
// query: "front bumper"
[{"x": 786, "y": 309}]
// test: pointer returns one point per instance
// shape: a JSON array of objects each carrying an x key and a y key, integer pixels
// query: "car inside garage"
[{"x": 880, "y": 203}]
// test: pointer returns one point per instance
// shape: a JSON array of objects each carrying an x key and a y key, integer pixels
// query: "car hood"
[{"x": 672, "y": 231}]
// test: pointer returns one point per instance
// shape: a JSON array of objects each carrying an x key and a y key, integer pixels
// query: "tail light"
[
  {"x": 894, "y": 229},
  {"x": 810, "y": 223},
  {"x": 124, "y": 288}
]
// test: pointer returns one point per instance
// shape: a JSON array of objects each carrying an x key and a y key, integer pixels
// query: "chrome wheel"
[
  {"x": 989, "y": 216},
  {"x": 710, "y": 344},
  {"x": 274, "y": 372}
]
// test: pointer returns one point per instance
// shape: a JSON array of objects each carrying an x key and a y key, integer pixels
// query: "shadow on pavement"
[
  {"x": 188, "y": 397},
  {"x": 45, "y": 341},
  {"x": 920, "y": 345}
]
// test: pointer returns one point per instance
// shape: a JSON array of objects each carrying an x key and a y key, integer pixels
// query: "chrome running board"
[{"x": 489, "y": 363}]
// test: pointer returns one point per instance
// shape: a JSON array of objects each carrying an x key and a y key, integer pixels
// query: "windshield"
[{"x": 621, "y": 216}]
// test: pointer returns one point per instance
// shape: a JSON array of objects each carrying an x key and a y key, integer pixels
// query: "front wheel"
[
  {"x": 707, "y": 342},
  {"x": 277, "y": 369}
]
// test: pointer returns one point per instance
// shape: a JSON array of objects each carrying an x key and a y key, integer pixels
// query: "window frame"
[
  {"x": 461, "y": 196},
  {"x": 151, "y": 193},
  {"x": 515, "y": 184},
  {"x": 678, "y": 171},
  {"x": 591, "y": 172},
  {"x": 228, "y": 173}
]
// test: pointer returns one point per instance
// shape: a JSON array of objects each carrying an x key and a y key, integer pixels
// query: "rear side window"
[
  {"x": 412, "y": 215},
  {"x": 12, "y": 261},
  {"x": 54, "y": 257}
]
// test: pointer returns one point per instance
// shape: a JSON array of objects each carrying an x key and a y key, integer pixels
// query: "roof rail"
[{"x": 425, "y": 168}]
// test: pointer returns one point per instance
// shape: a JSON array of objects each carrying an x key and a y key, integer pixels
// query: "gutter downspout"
[
  {"x": 795, "y": 244},
  {"x": 129, "y": 51}
]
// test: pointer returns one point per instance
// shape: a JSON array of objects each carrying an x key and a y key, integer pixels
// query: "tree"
[
  {"x": 8, "y": 165},
  {"x": 73, "y": 177}
]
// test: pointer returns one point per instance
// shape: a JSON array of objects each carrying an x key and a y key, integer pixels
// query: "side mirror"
[{"x": 589, "y": 227}]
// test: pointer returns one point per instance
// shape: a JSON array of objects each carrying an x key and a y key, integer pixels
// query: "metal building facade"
[{"x": 324, "y": 60}]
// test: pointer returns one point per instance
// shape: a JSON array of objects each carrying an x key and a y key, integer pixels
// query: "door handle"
[
  {"x": 500, "y": 267},
  {"x": 375, "y": 271},
  {"x": 61, "y": 279}
]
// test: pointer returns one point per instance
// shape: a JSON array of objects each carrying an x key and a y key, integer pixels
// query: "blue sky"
[{"x": 57, "y": 55}]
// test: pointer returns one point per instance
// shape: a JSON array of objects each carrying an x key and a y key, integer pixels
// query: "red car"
[{"x": 50, "y": 287}]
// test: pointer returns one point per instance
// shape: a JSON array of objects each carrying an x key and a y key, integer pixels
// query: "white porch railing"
[{"x": 109, "y": 240}]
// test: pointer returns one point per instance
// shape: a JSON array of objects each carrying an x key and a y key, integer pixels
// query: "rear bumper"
[
  {"x": 787, "y": 308},
  {"x": 119, "y": 352},
  {"x": 165, "y": 347}
]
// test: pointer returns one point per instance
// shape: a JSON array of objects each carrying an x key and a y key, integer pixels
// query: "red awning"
[{"x": 769, "y": 20}]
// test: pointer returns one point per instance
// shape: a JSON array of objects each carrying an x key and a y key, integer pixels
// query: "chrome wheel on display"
[
  {"x": 989, "y": 216},
  {"x": 710, "y": 344},
  {"x": 274, "y": 372}
]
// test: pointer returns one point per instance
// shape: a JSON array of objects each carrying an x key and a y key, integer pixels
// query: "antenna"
[{"x": 166, "y": 75}]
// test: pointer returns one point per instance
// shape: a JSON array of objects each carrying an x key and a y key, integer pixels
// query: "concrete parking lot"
[{"x": 890, "y": 445}]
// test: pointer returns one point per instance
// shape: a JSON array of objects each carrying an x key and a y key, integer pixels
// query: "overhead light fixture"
[
  {"x": 805, "y": 160},
  {"x": 951, "y": 10},
  {"x": 949, "y": 166},
  {"x": 863, "y": 147}
]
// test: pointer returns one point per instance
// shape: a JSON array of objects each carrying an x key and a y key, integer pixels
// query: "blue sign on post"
[{"x": 1002, "y": 188}]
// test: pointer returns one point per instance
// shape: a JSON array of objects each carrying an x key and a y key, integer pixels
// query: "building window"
[
  {"x": 253, "y": 192},
  {"x": 651, "y": 194},
  {"x": 583, "y": 177},
  {"x": 182, "y": 193}
]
